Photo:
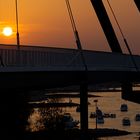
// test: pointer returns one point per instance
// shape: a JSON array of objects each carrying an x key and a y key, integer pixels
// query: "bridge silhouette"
[
  {"x": 45, "y": 67},
  {"x": 34, "y": 68},
  {"x": 25, "y": 68}
]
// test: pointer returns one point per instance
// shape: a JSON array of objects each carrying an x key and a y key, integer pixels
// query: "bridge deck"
[
  {"x": 59, "y": 59},
  {"x": 47, "y": 67}
]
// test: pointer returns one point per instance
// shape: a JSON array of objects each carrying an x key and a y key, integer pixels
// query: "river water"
[{"x": 110, "y": 102}]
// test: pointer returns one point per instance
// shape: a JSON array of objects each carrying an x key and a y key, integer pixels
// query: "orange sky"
[{"x": 46, "y": 23}]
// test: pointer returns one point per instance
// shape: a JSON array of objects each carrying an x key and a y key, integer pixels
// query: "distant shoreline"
[
  {"x": 45, "y": 96},
  {"x": 76, "y": 134},
  {"x": 68, "y": 95},
  {"x": 75, "y": 89}
]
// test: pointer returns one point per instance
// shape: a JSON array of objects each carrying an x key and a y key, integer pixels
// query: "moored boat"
[
  {"x": 124, "y": 107},
  {"x": 137, "y": 117},
  {"x": 126, "y": 121}
]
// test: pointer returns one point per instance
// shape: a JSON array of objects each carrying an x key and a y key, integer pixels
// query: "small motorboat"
[
  {"x": 137, "y": 117},
  {"x": 124, "y": 107},
  {"x": 126, "y": 121}
]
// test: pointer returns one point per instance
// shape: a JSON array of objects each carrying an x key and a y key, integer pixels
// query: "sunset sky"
[{"x": 47, "y": 23}]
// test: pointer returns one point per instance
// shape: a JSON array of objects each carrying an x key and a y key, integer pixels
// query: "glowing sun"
[{"x": 7, "y": 31}]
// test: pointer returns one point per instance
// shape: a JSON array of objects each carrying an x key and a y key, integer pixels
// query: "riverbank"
[
  {"x": 91, "y": 88},
  {"x": 39, "y": 97}
]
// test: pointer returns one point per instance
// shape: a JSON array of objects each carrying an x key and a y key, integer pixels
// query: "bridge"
[
  {"x": 32, "y": 68},
  {"x": 24, "y": 68},
  {"x": 46, "y": 67}
]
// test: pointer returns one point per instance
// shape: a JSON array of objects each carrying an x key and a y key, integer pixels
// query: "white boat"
[
  {"x": 137, "y": 117},
  {"x": 126, "y": 121},
  {"x": 124, "y": 107},
  {"x": 69, "y": 122}
]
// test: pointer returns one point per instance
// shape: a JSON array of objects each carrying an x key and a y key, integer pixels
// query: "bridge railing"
[
  {"x": 66, "y": 58},
  {"x": 12, "y": 57}
]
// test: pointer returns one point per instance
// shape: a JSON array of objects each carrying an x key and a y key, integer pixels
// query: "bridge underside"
[
  {"x": 23, "y": 78},
  {"x": 30, "y": 80},
  {"x": 53, "y": 79}
]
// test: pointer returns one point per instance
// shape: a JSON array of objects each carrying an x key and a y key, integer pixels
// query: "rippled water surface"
[{"x": 110, "y": 102}]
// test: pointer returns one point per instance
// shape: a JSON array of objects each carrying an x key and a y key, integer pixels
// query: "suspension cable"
[
  {"x": 71, "y": 16},
  {"x": 17, "y": 26},
  {"x": 125, "y": 41},
  {"x": 78, "y": 42}
]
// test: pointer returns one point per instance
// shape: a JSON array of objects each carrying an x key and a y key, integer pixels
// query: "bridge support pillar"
[
  {"x": 129, "y": 94},
  {"x": 84, "y": 108},
  {"x": 126, "y": 90},
  {"x": 13, "y": 109}
]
